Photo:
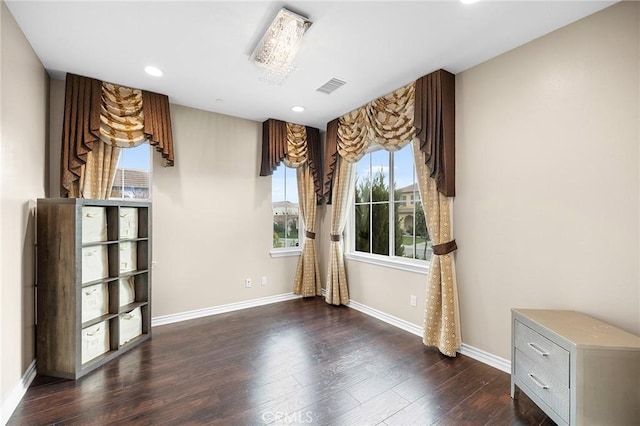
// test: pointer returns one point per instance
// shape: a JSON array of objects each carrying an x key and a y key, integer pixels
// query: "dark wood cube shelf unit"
[{"x": 93, "y": 282}]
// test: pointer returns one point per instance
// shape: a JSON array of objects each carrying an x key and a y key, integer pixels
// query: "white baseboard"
[
  {"x": 467, "y": 350},
  {"x": 14, "y": 398},
  {"x": 486, "y": 357},
  {"x": 215, "y": 310},
  {"x": 389, "y": 319}
]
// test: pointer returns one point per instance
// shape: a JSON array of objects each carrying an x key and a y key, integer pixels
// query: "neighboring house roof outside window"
[{"x": 132, "y": 178}]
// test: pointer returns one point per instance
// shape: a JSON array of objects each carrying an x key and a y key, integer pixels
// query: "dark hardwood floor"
[{"x": 300, "y": 361}]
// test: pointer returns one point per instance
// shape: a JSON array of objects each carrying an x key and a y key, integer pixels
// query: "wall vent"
[{"x": 331, "y": 85}]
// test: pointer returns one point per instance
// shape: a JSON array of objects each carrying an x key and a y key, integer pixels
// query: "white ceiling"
[{"x": 203, "y": 47}]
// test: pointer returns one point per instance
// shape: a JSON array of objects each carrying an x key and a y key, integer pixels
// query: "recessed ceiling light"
[
  {"x": 154, "y": 71},
  {"x": 297, "y": 108}
]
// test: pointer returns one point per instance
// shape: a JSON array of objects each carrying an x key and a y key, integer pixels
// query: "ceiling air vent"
[{"x": 331, "y": 85}]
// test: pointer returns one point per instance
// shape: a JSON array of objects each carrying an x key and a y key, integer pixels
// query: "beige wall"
[
  {"x": 23, "y": 122},
  {"x": 212, "y": 217},
  {"x": 547, "y": 207}
]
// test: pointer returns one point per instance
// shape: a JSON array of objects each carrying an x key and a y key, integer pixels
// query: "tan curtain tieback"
[
  {"x": 445, "y": 248},
  {"x": 336, "y": 237},
  {"x": 311, "y": 235}
]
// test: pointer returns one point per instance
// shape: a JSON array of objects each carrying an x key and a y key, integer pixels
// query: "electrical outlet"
[
  {"x": 264, "y": 281},
  {"x": 413, "y": 301},
  {"x": 247, "y": 282}
]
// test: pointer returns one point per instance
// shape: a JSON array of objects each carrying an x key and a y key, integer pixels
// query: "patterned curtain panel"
[
  {"x": 307, "y": 282},
  {"x": 442, "y": 316},
  {"x": 99, "y": 114},
  {"x": 96, "y": 179},
  {"x": 343, "y": 192},
  {"x": 435, "y": 114}
]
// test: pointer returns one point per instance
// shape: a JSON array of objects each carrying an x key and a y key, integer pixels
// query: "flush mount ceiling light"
[
  {"x": 297, "y": 108},
  {"x": 468, "y": 1},
  {"x": 154, "y": 71},
  {"x": 278, "y": 46}
]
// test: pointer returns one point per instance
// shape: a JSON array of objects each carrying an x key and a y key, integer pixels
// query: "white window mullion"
[
  {"x": 370, "y": 202},
  {"x": 392, "y": 209}
]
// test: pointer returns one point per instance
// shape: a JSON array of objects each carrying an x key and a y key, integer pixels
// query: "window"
[
  {"x": 133, "y": 174},
  {"x": 284, "y": 203},
  {"x": 387, "y": 218}
]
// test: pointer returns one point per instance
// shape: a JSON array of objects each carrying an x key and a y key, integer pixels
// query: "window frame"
[
  {"x": 286, "y": 251},
  {"x": 390, "y": 261}
]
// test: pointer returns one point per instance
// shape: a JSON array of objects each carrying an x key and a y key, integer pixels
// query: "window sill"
[
  {"x": 418, "y": 267},
  {"x": 288, "y": 252}
]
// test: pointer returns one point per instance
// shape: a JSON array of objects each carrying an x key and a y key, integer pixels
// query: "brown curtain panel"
[
  {"x": 274, "y": 145},
  {"x": 315, "y": 160},
  {"x": 157, "y": 124},
  {"x": 434, "y": 120},
  {"x": 80, "y": 129},
  {"x": 330, "y": 158}
]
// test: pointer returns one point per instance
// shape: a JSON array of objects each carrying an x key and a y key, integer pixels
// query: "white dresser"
[{"x": 579, "y": 370}]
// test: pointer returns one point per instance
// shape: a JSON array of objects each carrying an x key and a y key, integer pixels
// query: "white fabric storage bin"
[
  {"x": 95, "y": 263},
  {"x": 130, "y": 325},
  {"x": 95, "y": 301},
  {"x": 127, "y": 291},
  {"x": 94, "y": 224},
  {"x": 128, "y": 223},
  {"x": 95, "y": 341},
  {"x": 128, "y": 257}
]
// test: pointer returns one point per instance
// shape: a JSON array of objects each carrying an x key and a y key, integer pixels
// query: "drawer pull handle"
[
  {"x": 540, "y": 351},
  {"x": 537, "y": 382}
]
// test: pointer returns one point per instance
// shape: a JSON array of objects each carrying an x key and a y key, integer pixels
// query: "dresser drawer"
[
  {"x": 545, "y": 385},
  {"x": 546, "y": 354}
]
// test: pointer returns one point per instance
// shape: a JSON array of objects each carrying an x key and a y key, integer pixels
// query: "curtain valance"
[
  {"x": 294, "y": 145},
  {"x": 423, "y": 109},
  {"x": 387, "y": 121},
  {"x": 97, "y": 112}
]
